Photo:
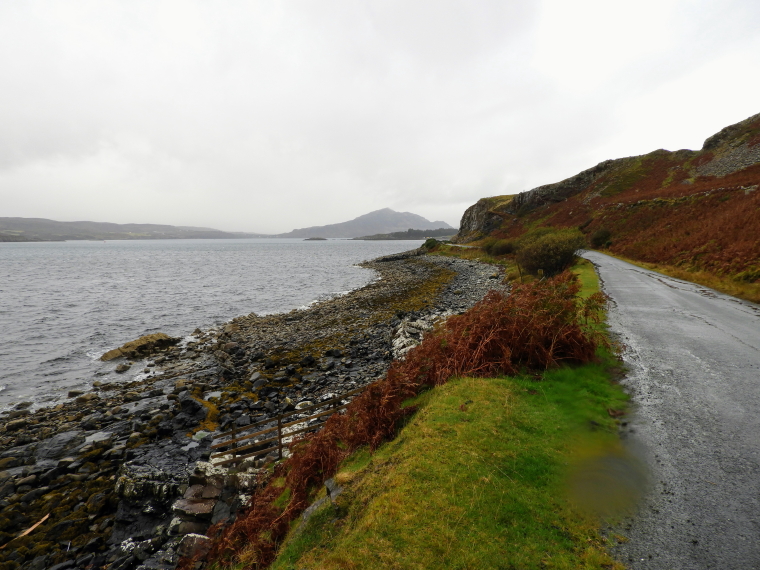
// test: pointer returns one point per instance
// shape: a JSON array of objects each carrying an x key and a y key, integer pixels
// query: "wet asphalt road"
[{"x": 693, "y": 358}]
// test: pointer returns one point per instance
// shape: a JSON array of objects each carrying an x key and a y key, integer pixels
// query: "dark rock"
[
  {"x": 144, "y": 549},
  {"x": 221, "y": 512},
  {"x": 9, "y": 462},
  {"x": 96, "y": 503},
  {"x": 307, "y": 361},
  {"x": 33, "y": 494},
  {"x": 194, "y": 509},
  {"x": 14, "y": 425},
  {"x": 194, "y": 545},
  {"x": 63, "y": 565},
  {"x": 60, "y": 529},
  {"x": 83, "y": 561},
  {"x": 143, "y": 346},
  {"x": 7, "y": 489},
  {"x": 191, "y": 406},
  {"x": 30, "y": 480},
  {"x": 192, "y": 527},
  {"x": 18, "y": 414},
  {"x": 38, "y": 563},
  {"x": 93, "y": 544},
  {"x": 123, "y": 563}
]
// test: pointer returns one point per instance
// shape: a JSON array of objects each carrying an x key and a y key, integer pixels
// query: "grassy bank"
[{"x": 481, "y": 476}]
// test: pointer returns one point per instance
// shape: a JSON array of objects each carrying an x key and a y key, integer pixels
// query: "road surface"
[{"x": 693, "y": 359}]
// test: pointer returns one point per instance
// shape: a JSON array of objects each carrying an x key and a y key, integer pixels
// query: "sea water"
[{"x": 63, "y": 304}]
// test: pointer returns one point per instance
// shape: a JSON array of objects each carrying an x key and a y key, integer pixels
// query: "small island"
[{"x": 315, "y": 239}]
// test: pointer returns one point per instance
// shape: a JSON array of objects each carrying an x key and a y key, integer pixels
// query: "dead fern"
[{"x": 540, "y": 325}]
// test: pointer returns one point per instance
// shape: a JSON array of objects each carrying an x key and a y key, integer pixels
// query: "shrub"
[
  {"x": 487, "y": 244},
  {"x": 430, "y": 243},
  {"x": 538, "y": 326},
  {"x": 502, "y": 247},
  {"x": 552, "y": 252},
  {"x": 600, "y": 237}
]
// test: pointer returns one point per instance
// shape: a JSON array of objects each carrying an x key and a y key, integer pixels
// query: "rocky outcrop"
[
  {"x": 729, "y": 133},
  {"x": 559, "y": 191},
  {"x": 731, "y": 150},
  {"x": 142, "y": 347},
  {"x": 481, "y": 219}
]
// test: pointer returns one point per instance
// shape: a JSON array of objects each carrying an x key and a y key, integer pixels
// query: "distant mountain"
[
  {"x": 41, "y": 229},
  {"x": 383, "y": 221}
]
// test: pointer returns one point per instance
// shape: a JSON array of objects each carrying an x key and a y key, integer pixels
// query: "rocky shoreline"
[{"x": 123, "y": 474}]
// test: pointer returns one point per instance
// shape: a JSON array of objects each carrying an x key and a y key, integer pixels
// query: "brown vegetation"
[{"x": 540, "y": 325}]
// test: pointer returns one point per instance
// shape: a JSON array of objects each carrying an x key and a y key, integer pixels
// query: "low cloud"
[{"x": 268, "y": 116}]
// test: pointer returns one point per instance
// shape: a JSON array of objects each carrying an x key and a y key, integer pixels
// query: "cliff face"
[
  {"x": 697, "y": 209},
  {"x": 482, "y": 218}
]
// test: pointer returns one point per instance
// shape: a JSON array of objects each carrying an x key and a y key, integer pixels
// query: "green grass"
[
  {"x": 488, "y": 473},
  {"x": 585, "y": 271}
]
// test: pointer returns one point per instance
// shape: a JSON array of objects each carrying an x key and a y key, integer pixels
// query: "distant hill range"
[
  {"x": 411, "y": 234},
  {"x": 692, "y": 210},
  {"x": 40, "y": 229},
  {"x": 383, "y": 221}
]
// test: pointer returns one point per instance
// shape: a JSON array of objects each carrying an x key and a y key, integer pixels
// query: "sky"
[{"x": 265, "y": 116}]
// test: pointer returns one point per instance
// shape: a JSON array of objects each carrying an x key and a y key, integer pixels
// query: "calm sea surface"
[{"x": 64, "y": 304}]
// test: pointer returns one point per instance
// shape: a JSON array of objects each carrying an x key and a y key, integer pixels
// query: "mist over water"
[{"x": 63, "y": 304}]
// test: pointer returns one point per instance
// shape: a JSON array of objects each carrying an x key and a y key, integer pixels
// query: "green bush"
[
  {"x": 600, "y": 237},
  {"x": 498, "y": 247},
  {"x": 552, "y": 251},
  {"x": 430, "y": 243},
  {"x": 487, "y": 244}
]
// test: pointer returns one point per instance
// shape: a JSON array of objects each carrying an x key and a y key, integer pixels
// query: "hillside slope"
[
  {"x": 383, "y": 221},
  {"x": 694, "y": 210},
  {"x": 41, "y": 229}
]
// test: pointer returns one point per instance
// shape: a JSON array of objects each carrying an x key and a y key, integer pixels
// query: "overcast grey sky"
[{"x": 266, "y": 116}]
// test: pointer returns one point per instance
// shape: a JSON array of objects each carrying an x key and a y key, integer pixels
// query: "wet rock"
[
  {"x": 14, "y": 425},
  {"x": 221, "y": 513},
  {"x": 96, "y": 503},
  {"x": 194, "y": 509},
  {"x": 194, "y": 545},
  {"x": 30, "y": 480},
  {"x": 143, "y": 346},
  {"x": 14, "y": 414},
  {"x": 9, "y": 462},
  {"x": 122, "y": 368},
  {"x": 63, "y": 565},
  {"x": 38, "y": 563},
  {"x": 191, "y": 527},
  {"x": 58, "y": 445},
  {"x": 86, "y": 398},
  {"x": 191, "y": 406}
]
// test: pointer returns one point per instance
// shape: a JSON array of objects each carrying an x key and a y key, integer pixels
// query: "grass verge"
[{"x": 480, "y": 477}]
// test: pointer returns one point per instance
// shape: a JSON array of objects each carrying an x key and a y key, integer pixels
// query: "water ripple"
[{"x": 64, "y": 304}]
